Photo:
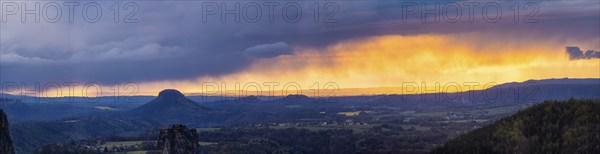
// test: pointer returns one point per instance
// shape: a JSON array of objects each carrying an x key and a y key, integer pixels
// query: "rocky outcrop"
[
  {"x": 5, "y": 142},
  {"x": 178, "y": 140}
]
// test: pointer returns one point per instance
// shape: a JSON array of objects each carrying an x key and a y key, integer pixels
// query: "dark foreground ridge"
[
  {"x": 5, "y": 142},
  {"x": 571, "y": 126},
  {"x": 178, "y": 140}
]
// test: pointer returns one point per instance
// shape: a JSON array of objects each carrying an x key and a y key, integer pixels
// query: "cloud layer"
[
  {"x": 172, "y": 43},
  {"x": 575, "y": 53},
  {"x": 268, "y": 50}
]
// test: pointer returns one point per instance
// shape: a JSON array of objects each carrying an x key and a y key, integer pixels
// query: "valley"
[{"x": 398, "y": 122}]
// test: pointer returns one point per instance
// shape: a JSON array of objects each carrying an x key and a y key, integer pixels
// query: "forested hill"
[{"x": 571, "y": 126}]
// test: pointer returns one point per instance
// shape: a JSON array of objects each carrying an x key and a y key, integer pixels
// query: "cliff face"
[
  {"x": 178, "y": 140},
  {"x": 5, "y": 142}
]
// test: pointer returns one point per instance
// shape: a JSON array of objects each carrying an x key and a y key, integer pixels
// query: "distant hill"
[
  {"x": 528, "y": 92},
  {"x": 586, "y": 81},
  {"x": 247, "y": 99},
  {"x": 296, "y": 99},
  {"x": 20, "y": 111},
  {"x": 168, "y": 101},
  {"x": 571, "y": 126},
  {"x": 549, "y": 89},
  {"x": 171, "y": 106}
]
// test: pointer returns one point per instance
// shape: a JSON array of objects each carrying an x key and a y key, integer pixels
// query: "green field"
[
  {"x": 491, "y": 111},
  {"x": 355, "y": 128},
  {"x": 105, "y": 108},
  {"x": 463, "y": 121},
  {"x": 429, "y": 114},
  {"x": 417, "y": 127},
  {"x": 350, "y": 114},
  {"x": 503, "y": 109},
  {"x": 122, "y": 143}
]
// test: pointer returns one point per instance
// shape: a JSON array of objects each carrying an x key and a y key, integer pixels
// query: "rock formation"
[
  {"x": 178, "y": 140},
  {"x": 5, "y": 142},
  {"x": 169, "y": 103}
]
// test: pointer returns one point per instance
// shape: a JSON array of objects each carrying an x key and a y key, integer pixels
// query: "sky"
[{"x": 58, "y": 48}]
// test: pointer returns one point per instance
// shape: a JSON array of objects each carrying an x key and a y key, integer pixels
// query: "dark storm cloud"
[
  {"x": 174, "y": 40},
  {"x": 575, "y": 53},
  {"x": 268, "y": 50}
]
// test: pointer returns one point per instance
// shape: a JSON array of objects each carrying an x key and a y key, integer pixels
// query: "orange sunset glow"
[{"x": 367, "y": 66}]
